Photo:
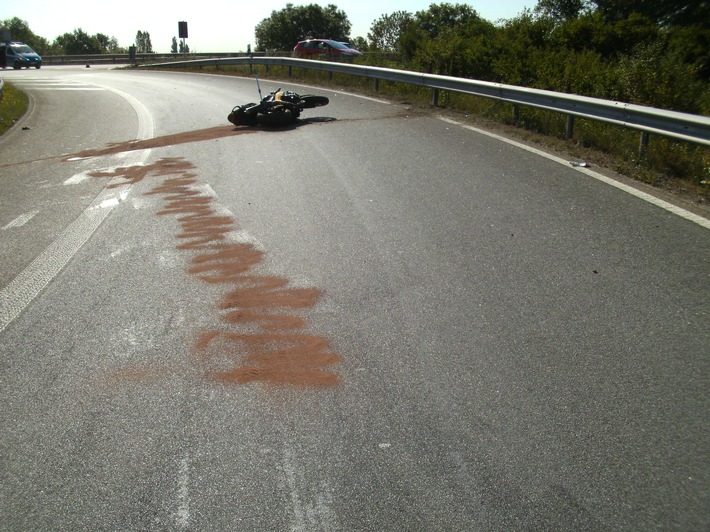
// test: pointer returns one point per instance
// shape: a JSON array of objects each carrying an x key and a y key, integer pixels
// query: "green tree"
[
  {"x": 449, "y": 39},
  {"x": 174, "y": 46},
  {"x": 692, "y": 45},
  {"x": 444, "y": 17},
  {"x": 143, "y": 44},
  {"x": 20, "y": 31},
  {"x": 386, "y": 31},
  {"x": 654, "y": 74},
  {"x": 518, "y": 45},
  {"x": 108, "y": 44},
  {"x": 284, "y": 28},
  {"x": 611, "y": 39},
  {"x": 359, "y": 43},
  {"x": 561, "y": 9},
  {"x": 78, "y": 43},
  {"x": 665, "y": 12}
]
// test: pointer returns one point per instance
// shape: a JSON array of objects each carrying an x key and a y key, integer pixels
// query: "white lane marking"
[
  {"x": 20, "y": 220},
  {"x": 183, "y": 512},
  {"x": 316, "y": 513},
  {"x": 298, "y": 518},
  {"x": 146, "y": 127},
  {"x": 110, "y": 203},
  {"x": 57, "y": 85},
  {"x": 703, "y": 222},
  {"x": 15, "y": 297},
  {"x": 68, "y": 89},
  {"x": 46, "y": 81},
  {"x": 76, "y": 179}
]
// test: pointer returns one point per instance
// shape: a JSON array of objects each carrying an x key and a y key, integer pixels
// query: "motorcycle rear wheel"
[{"x": 239, "y": 116}]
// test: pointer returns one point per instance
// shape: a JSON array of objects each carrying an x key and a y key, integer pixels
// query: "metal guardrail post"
[
  {"x": 569, "y": 133},
  {"x": 643, "y": 145}
]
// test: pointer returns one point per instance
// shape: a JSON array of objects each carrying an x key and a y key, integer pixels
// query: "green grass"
[{"x": 13, "y": 105}]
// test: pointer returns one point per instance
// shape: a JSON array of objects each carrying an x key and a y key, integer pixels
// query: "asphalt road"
[{"x": 375, "y": 320}]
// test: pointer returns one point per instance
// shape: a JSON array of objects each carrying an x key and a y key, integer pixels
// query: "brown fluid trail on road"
[
  {"x": 264, "y": 338},
  {"x": 212, "y": 133}
]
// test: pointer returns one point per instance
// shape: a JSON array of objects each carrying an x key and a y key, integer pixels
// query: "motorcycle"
[{"x": 278, "y": 109}]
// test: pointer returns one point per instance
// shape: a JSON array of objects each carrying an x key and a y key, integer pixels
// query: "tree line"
[
  {"x": 74, "y": 43},
  {"x": 77, "y": 42}
]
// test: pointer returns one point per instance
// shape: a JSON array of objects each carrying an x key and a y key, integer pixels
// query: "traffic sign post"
[{"x": 182, "y": 32}]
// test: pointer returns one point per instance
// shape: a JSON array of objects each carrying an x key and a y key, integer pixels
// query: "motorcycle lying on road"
[{"x": 278, "y": 109}]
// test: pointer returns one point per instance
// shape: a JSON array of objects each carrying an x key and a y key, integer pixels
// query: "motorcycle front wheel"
[{"x": 310, "y": 101}]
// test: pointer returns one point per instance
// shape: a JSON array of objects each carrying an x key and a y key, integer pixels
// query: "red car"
[{"x": 323, "y": 47}]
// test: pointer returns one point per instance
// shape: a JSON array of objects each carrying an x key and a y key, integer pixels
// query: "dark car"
[
  {"x": 18, "y": 55},
  {"x": 311, "y": 48}
]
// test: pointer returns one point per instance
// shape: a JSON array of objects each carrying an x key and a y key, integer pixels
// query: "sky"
[{"x": 213, "y": 26}]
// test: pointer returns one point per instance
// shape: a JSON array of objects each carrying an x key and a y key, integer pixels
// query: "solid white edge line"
[{"x": 678, "y": 211}]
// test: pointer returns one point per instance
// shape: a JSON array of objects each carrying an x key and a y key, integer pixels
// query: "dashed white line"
[
  {"x": 68, "y": 89},
  {"x": 76, "y": 179},
  {"x": 20, "y": 220},
  {"x": 57, "y": 85},
  {"x": 298, "y": 517},
  {"x": 183, "y": 512}
]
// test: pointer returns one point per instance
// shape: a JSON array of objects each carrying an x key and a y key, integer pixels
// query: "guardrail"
[
  {"x": 681, "y": 126},
  {"x": 125, "y": 59}
]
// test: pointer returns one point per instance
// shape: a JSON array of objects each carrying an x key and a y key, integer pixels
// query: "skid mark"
[
  {"x": 200, "y": 135},
  {"x": 118, "y": 148},
  {"x": 264, "y": 338}
]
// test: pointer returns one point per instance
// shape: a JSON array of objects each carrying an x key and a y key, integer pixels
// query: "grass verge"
[{"x": 13, "y": 105}]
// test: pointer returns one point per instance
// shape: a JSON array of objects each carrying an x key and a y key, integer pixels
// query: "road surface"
[{"x": 375, "y": 320}]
